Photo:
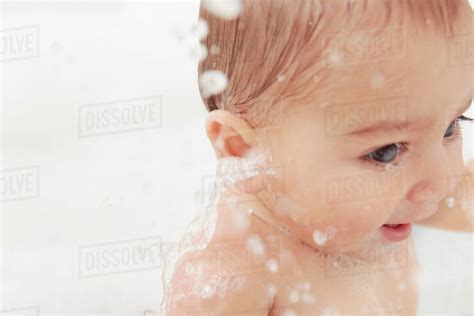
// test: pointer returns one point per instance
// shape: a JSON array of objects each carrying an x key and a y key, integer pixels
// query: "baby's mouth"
[
  {"x": 395, "y": 232},
  {"x": 392, "y": 225}
]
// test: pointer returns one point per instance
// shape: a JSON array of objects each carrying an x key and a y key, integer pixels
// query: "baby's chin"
[{"x": 345, "y": 240}]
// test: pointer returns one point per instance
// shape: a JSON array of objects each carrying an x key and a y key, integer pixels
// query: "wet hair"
[{"x": 275, "y": 41}]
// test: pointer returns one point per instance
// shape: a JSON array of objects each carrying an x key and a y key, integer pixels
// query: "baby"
[{"x": 337, "y": 128}]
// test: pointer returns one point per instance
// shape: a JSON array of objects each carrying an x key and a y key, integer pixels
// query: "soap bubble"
[
  {"x": 226, "y": 9},
  {"x": 212, "y": 82}
]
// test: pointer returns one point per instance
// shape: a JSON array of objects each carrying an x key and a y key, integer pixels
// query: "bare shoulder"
[{"x": 228, "y": 277}]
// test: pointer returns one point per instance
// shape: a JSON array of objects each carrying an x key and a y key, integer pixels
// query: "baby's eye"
[
  {"x": 454, "y": 128},
  {"x": 385, "y": 154},
  {"x": 451, "y": 130}
]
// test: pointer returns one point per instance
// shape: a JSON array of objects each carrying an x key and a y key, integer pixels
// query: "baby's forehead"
[
  {"x": 422, "y": 71},
  {"x": 421, "y": 90}
]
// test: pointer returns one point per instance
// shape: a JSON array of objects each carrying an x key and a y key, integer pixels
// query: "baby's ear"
[{"x": 229, "y": 134}]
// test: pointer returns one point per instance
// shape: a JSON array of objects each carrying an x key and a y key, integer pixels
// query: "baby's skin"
[
  {"x": 253, "y": 268},
  {"x": 324, "y": 227}
]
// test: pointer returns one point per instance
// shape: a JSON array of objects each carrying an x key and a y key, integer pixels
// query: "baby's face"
[{"x": 380, "y": 147}]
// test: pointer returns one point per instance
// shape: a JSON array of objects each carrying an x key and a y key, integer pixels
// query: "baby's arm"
[
  {"x": 203, "y": 286},
  {"x": 456, "y": 211}
]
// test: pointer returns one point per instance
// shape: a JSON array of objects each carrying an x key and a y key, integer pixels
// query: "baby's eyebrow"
[{"x": 385, "y": 126}]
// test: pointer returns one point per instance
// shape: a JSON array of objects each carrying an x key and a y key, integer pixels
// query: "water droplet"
[
  {"x": 240, "y": 220},
  {"x": 272, "y": 290},
  {"x": 335, "y": 57},
  {"x": 308, "y": 298},
  {"x": 198, "y": 52},
  {"x": 228, "y": 9},
  {"x": 319, "y": 237},
  {"x": 289, "y": 312},
  {"x": 450, "y": 202},
  {"x": 189, "y": 269},
  {"x": 390, "y": 167},
  {"x": 272, "y": 265},
  {"x": 306, "y": 285},
  {"x": 212, "y": 82},
  {"x": 214, "y": 49},
  {"x": 207, "y": 291},
  {"x": 200, "y": 29},
  {"x": 402, "y": 286},
  {"x": 255, "y": 245},
  {"x": 294, "y": 296},
  {"x": 330, "y": 311},
  {"x": 178, "y": 32}
]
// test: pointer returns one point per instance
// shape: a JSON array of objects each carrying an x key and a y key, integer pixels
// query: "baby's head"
[{"x": 355, "y": 105}]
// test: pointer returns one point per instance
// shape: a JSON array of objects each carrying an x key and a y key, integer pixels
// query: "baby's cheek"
[{"x": 350, "y": 225}]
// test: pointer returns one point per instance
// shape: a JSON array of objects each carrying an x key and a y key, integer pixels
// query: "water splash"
[
  {"x": 212, "y": 82},
  {"x": 198, "y": 52},
  {"x": 225, "y": 9},
  {"x": 200, "y": 29}
]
